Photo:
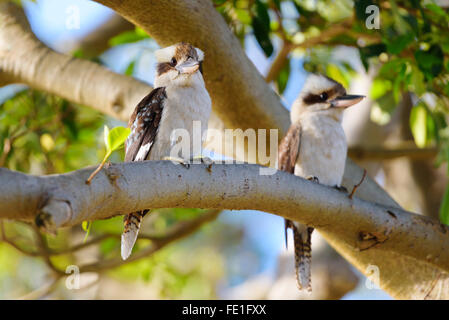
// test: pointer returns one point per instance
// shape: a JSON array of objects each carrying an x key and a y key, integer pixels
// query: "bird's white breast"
[
  {"x": 323, "y": 149},
  {"x": 182, "y": 106}
]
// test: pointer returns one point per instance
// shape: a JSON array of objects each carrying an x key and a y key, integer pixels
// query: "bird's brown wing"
[
  {"x": 289, "y": 149},
  {"x": 288, "y": 153},
  {"x": 144, "y": 124}
]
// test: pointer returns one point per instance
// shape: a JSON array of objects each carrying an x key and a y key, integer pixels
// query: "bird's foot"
[
  {"x": 341, "y": 188},
  {"x": 176, "y": 160},
  {"x": 313, "y": 179},
  {"x": 205, "y": 160}
]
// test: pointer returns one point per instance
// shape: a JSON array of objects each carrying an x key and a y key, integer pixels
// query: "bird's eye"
[
  {"x": 323, "y": 96},
  {"x": 173, "y": 61}
]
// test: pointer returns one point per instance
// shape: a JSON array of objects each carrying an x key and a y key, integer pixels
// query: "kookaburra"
[
  {"x": 179, "y": 98},
  {"x": 314, "y": 148}
]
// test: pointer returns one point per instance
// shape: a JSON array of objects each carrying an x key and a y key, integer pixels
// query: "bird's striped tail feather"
[
  {"x": 302, "y": 236},
  {"x": 131, "y": 229}
]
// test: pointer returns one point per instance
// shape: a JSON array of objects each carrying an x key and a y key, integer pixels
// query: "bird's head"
[
  {"x": 179, "y": 65},
  {"x": 322, "y": 95}
]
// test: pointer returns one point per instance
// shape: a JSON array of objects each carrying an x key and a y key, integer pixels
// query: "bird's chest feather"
[
  {"x": 182, "y": 107},
  {"x": 322, "y": 151}
]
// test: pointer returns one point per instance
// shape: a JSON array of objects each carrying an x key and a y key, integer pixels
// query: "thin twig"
[
  {"x": 358, "y": 184},
  {"x": 279, "y": 62},
  {"x": 93, "y": 174}
]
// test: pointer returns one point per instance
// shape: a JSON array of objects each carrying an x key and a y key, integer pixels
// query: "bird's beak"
[
  {"x": 188, "y": 67},
  {"x": 346, "y": 101}
]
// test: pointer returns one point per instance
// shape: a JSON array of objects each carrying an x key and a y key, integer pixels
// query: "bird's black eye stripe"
[
  {"x": 315, "y": 98},
  {"x": 173, "y": 61}
]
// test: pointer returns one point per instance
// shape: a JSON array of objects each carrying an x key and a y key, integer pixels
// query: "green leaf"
[
  {"x": 261, "y": 28},
  {"x": 117, "y": 137},
  {"x": 262, "y": 14},
  {"x": 262, "y": 38},
  {"x": 360, "y": 8},
  {"x": 437, "y": 10},
  {"x": 141, "y": 32},
  {"x": 106, "y": 138},
  {"x": 87, "y": 226},
  {"x": 303, "y": 12},
  {"x": 399, "y": 43},
  {"x": 398, "y": 81},
  {"x": 127, "y": 37},
  {"x": 219, "y": 2},
  {"x": 78, "y": 53},
  {"x": 444, "y": 208},
  {"x": 386, "y": 105},
  {"x": 391, "y": 67},
  {"x": 373, "y": 50},
  {"x": 417, "y": 84},
  {"x": 379, "y": 88},
  {"x": 336, "y": 73},
  {"x": 243, "y": 16},
  {"x": 130, "y": 69},
  {"x": 430, "y": 62},
  {"x": 418, "y": 124},
  {"x": 282, "y": 79},
  {"x": 413, "y": 22}
]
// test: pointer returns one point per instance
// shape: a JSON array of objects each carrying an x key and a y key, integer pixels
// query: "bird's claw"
[
  {"x": 205, "y": 160},
  {"x": 313, "y": 179},
  {"x": 341, "y": 189},
  {"x": 180, "y": 161},
  {"x": 193, "y": 160}
]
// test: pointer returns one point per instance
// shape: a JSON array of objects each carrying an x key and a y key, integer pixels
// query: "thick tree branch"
[
  {"x": 24, "y": 59},
  {"x": 64, "y": 200}
]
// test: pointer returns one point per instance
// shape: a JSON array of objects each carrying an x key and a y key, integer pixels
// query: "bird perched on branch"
[
  {"x": 179, "y": 98},
  {"x": 314, "y": 148}
]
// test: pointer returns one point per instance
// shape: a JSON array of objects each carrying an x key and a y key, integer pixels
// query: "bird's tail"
[
  {"x": 130, "y": 231},
  {"x": 302, "y": 236}
]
